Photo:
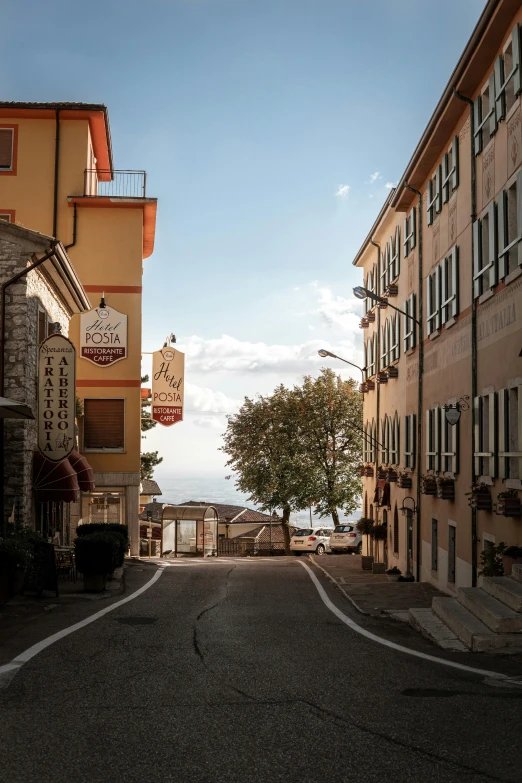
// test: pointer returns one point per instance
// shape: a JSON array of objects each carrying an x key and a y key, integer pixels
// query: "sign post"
[
  {"x": 56, "y": 397},
  {"x": 168, "y": 385},
  {"x": 103, "y": 335}
]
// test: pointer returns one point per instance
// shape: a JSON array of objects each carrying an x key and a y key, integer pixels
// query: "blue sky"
[{"x": 270, "y": 131}]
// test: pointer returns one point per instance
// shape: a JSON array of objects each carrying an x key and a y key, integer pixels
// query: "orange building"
[
  {"x": 447, "y": 250},
  {"x": 57, "y": 177}
]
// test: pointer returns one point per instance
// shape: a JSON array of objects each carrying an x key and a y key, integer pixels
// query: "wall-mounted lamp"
[{"x": 412, "y": 509}]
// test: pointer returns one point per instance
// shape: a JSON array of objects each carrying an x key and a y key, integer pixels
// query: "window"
[
  {"x": 449, "y": 446},
  {"x": 485, "y": 251},
  {"x": 434, "y": 200},
  {"x": 395, "y": 332},
  {"x": 385, "y": 268},
  {"x": 394, "y": 440},
  {"x": 370, "y": 442},
  {"x": 396, "y": 532},
  {"x": 409, "y": 337},
  {"x": 410, "y": 232},
  {"x": 371, "y": 285},
  {"x": 104, "y": 425},
  {"x": 385, "y": 345},
  {"x": 373, "y": 442},
  {"x": 511, "y": 82},
  {"x": 509, "y": 223},
  {"x": 409, "y": 441},
  {"x": 450, "y": 170},
  {"x": 432, "y": 438},
  {"x": 485, "y": 435},
  {"x": 385, "y": 440},
  {"x": 6, "y": 216},
  {"x": 510, "y": 432},
  {"x": 7, "y": 143},
  {"x": 443, "y": 291},
  {"x": 370, "y": 350},
  {"x": 484, "y": 116},
  {"x": 434, "y": 545},
  {"x": 390, "y": 264}
]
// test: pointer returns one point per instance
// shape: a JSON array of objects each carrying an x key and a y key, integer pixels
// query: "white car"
[
  {"x": 310, "y": 540},
  {"x": 345, "y": 538}
]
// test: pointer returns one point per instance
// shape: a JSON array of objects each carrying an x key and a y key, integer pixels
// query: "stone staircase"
[{"x": 485, "y": 619}]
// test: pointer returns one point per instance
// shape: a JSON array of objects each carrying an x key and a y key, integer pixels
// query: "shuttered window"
[
  {"x": 449, "y": 306},
  {"x": 433, "y": 439},
  {"x": 485, "y": 435},
  {"x": 449, "y": 445},
  {"x": 104, "y": 425},
  {"x": 485, "y": 251},
  {"x": 409, "y": 441},
  {"x": 409, "y": 339},
  {"x": 395, "y": 332},
  {"x": 394, "y": 444},
  {"x": 410, "y": 232},
  {"x": 434, "y": 200},
  {"x": 433, "y": 300},
  {"x": 509, "y": 225},
  {"x": 450, "y": 170},
  {"x": 510, "y": 432},
  {"x": 6, "y": 148}
]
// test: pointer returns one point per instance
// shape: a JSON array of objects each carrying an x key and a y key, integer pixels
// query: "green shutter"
[
  {"x": 503, "y": 265},
  {"x": 405, "y": 240},
  {"x": 515, "y": 50},
  {"x": 492, "y": 244},
  {"x": 445, "y": 177},
  {"x": 430, "y": 202},
  {"x": 492, "y": 109},
  {"x": 455, "y": 161},
  {"x": 477, "y": 444},
  {"x": 438, "y": 186},
  {"x": 477, "y": 119},
  {"x": 500, "y": 93},
  {"x": 455, "y": 280},
  {"x": 519, "y": 216},
  {"x": 477, "y": 258},
  {"x": 413, "y": 228}
]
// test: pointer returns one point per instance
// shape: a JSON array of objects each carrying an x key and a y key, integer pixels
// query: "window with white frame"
[
  {"x": 410, "y": 232},
  {"x": 434, "y": 199},
  {"x": 370, "y": 350},
  {"x": 485, "y": 251},
  {"x": 485, "y": 435},
  {"x": 409, "y": 441},
  {"x": 394, "y": 445},
  {"x": 373, "y": 442},
  {"x": 6, "y": 149},
  {"x": 409, "y": 336},
  {"x": 5, "y": 216},
  {"x": 450, "y": 170},
  {"x": 433, "y": 439},
  {"x": 433, "y": 300},
  {"x": 510, "y": 432},
  {"x": 500, "y": 93},
  {"x": 371, "y": 285},
  {"x": 385, "y": 345},
  {"x": 395, "y": 255},
  {"x": 395, "y": 334},
  {"x": 509, "y": 223},
  {"x": 443, "y": 291},
  {"x": 385, "y": 440},
  {"x": 366, "y": 442},
  {"x": 449, "y": 445},
  {"x": 384, "y": 277}
]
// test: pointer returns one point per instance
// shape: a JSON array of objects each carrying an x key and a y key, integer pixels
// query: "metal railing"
[
  {"x": 126, "y": 184},
  {"x": 234, "y": 548}
]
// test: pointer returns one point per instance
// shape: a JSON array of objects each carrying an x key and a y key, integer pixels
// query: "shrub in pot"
[
  {"x": 393, "y": 574},
  {"x": 379, "y": 533},
  {"x": 121, "y": 531},
  {"x": 97, "y": 555},
  {"x": 510, "y": 556},
  {"x": 16, "y": 552},
  {"x": 365, "y": 526}
]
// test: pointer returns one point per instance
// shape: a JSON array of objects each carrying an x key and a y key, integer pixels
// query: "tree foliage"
[{"x": 149, "y": 460}]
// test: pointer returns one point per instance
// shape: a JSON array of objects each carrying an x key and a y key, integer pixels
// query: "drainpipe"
[
  {"x": 56, "y": 172},
  {"x": 3, "y": 290},
  {"x": 74, "y": 228},
  {"x": 377, "y": 356},
  {"x": 419, "y": 387},
  {"x": 474, "y": 539}
]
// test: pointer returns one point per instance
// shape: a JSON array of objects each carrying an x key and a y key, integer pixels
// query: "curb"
[
  {"x": 333, "y": 581},
  {"x": 116, "y": 586}
]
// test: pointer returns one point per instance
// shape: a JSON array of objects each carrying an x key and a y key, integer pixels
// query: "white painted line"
[
  {"x": 8, "y": 670},
  {"x": 398, "y": 647}
]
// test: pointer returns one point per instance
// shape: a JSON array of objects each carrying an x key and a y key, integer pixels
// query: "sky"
[{"x": 271, "y": 132}]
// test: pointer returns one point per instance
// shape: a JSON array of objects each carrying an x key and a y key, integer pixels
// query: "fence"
[
  {"x": 235, "y": 548},
  {"x": 125, "y": 184}
]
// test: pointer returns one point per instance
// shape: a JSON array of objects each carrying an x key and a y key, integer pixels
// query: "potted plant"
[
  {"x": 365, "y": 526},
  {"x": 404, "y": 480},
  {"x": 508, "y": 503},
  {"x": 370, "y": 316},
  {"x": 393, "y": 372},
  {"x": 370, "y": 385},
  {"x": 364, "y": 323},
  {"x": 381, "y": 472},
  {"x": 363, "y": 388},
  {"x": 369, "y": 471},
  {"x": 446, "y": 488},
  {"x": 428, "y": 485},
  {"x": 382, "y": 377},
  {"x": 17, "y": 551},
  {"x": 491, "y": 560},
  {"x": 379, "y": 533},
  {"x": 392, "y": 289},
  {"x": 97, "y": 554},
  {"x": 391, "y": 475},
  {"x": 480, "y": 497},
  {"x": 362, "y": 470},
  {"x": 393, "y": 574},
  {"x": 510, "y": 556},
  {"x": 121, "y": 532},
  {"x": 383, "y": 305}
]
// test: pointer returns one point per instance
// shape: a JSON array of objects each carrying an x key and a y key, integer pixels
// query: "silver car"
[
  {"x": 310, "y": 540},
  {"x": 345, "y": 538}
]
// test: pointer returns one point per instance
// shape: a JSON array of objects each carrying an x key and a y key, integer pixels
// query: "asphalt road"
[{"x": 236, "y": 671}]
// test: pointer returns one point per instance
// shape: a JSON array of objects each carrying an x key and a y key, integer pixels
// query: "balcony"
[{"x": 122, "y": 184}]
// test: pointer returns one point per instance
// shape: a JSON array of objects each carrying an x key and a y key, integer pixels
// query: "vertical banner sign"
[
  {"x": 168, "y": 370},
  {"x": 103, "y": 336},
  {"x": 56, "y": 397}
]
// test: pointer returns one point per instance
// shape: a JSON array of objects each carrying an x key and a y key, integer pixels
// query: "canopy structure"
[
  {"x": 54, "y": 481},
  {"x": 193, "y": 513},
  {"x": 11, "y": 409},
  {"x": 84, "y": 472},
  {"x": 189, "y": 530}
]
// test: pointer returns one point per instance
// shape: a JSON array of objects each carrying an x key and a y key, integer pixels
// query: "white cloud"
[
  {"x": 200, "y": 398},
  {"x": 210, "y": 423},
  {"x": 390, "y": 185},
  {"x": 337, "y": 311},
  {"x": 375, "y": 176},
  {"x": 342, "y": 190}
]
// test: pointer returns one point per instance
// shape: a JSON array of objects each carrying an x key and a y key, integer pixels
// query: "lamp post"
[
  {"x": 363, "y": 293},
  {"x": 323, "y": 352}
]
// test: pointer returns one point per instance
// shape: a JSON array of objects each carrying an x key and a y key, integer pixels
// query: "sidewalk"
[{"x": 374, "y": 594}]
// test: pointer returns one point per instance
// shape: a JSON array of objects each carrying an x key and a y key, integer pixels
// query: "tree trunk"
[
  {"x": 285, "y": 522},
  {"x": 335, "y": 517}
]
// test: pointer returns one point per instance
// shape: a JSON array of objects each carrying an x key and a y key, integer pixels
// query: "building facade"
[
  {"x": 57, "y": 177},
  {"x": 443, "y": 386}
]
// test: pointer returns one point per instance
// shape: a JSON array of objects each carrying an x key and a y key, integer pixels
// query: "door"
[
  {"x": 409, "y": 542},
  {"x": 452, "y": 552}
]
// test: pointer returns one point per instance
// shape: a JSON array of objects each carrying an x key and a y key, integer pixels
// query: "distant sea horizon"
[{"x": 217, "y": 489}]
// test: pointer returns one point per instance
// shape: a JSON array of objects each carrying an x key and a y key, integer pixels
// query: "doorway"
[{"x": 452, "y": 553}]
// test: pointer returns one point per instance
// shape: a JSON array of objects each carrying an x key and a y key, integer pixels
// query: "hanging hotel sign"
[
  {"x": 103, "y": 335},
  {"x": 168, "y": 370},
  {"x": 56, "y": 397}
]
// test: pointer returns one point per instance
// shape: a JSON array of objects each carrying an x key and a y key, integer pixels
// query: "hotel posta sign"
[
  {"x": 56, "y": 397},
  {"x": 103, "y": 336},
  {"x": 168, "y": 371}
]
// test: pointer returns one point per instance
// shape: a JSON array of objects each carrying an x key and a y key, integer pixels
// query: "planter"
[
  {"x": 392, "y": 290},
  {"x": 367, "y": 562},
  {"x": 381, "y": 474},
  {"x": 446, "y": 491},
  {"x": 508, "y": 507},
  {"x": 364, "y": 323},
  {"x": 378, "y": 568},
  {"x": 404, "y": 482},
  {"x": 393, "y": 372},
  {"x": 482, "y": 501},
  {"x": 370, "y": 385},
  {"x": 391, "y": 476},
  {"x": 509, "y": 562},
  {"x": 94, "y": 583},
  {"x": 382, "y": 378},
  {"x": 383, "y": 305},
  {"x": 392, "y": 577},
  {"x": 362, "y": 471},
  {"x": 429, "y": 488},
  {"x": 369, "y": 473},
  {"x": 370, "y": 317},
  {"x": 363, "y": 388}
]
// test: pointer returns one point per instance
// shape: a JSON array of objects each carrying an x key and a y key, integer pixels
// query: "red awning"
[
  {"x": 84, "y": 471},
  {"x": 55, "y": 481}
]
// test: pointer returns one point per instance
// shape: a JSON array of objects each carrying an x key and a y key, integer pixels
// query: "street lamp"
[
  {"x": 323, "y": 352},
  {"x": 363, "y": 293}
]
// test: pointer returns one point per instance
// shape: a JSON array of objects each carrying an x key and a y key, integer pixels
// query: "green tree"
[
  {"x": 149, "y": 460},
  {"x": 147, "y": 422}
]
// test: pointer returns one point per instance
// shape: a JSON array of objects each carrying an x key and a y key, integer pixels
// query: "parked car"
[
  {"x": 314, "y": 540},
  {"x": 345, "y": 538}
]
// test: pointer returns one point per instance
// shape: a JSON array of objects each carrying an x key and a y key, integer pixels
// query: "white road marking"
[
  {"x": 8, "y": 670},
  {"x": 398, "y": 647}
]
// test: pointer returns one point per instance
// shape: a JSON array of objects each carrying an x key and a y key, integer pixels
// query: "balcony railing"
[{"x": 125, "y": 184}]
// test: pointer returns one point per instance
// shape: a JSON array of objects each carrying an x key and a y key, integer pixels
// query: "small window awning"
[
  {"x": 83, "y": 470},
  {"x": 192, "y": 513},
  {"x": 12, "y": 409},
  {"x": 54, "y": 481}
]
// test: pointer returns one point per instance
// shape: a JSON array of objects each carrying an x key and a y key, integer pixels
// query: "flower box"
[
  {"x": 508, "y": 507},
  {"x": 370, "y": 317},
  {"x": 393, "y": 372},
  {"x": 392, "y": 290},
  {"x": 383, "y": 305},
  {"x": 369, "y": 472},
  {"x": 446, "y": 491},
  {"x": 382, "y": 378},
  {"x": 404, "y": 482},
  {"x": 364, "y": 323},
  {"x": 382, "y": 474},
  {"x": 391, "y": 475},
  {"x": 363, "y": 388},
  {"x": 481, "y": 501},
  {"x": 362, "y": 471},
  {"x": 370, "y": 385},
  {"x": 429, "y": 487}
]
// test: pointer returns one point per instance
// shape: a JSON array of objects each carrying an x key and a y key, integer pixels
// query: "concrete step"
[
  {"x": 504, "y": 589},
  {"x": 429, "y": 625},
  {"x": 470, "y": 630},
  {"x": 496, "y": 615},
  {"x": 516, "y": 572}
]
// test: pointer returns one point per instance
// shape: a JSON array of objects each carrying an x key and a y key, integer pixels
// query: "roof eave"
[{"x": 374, "y": 228}]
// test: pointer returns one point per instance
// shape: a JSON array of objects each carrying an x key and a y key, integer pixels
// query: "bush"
[
  {"x": 97, "y": 553},
  {"x": 365, "y": 526},
  {"x": 121, "y": 532},
  {"x": 513, "y": 551},
  {"x": 18, "y": 547},
  {"x": 394, "y": 571}
]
